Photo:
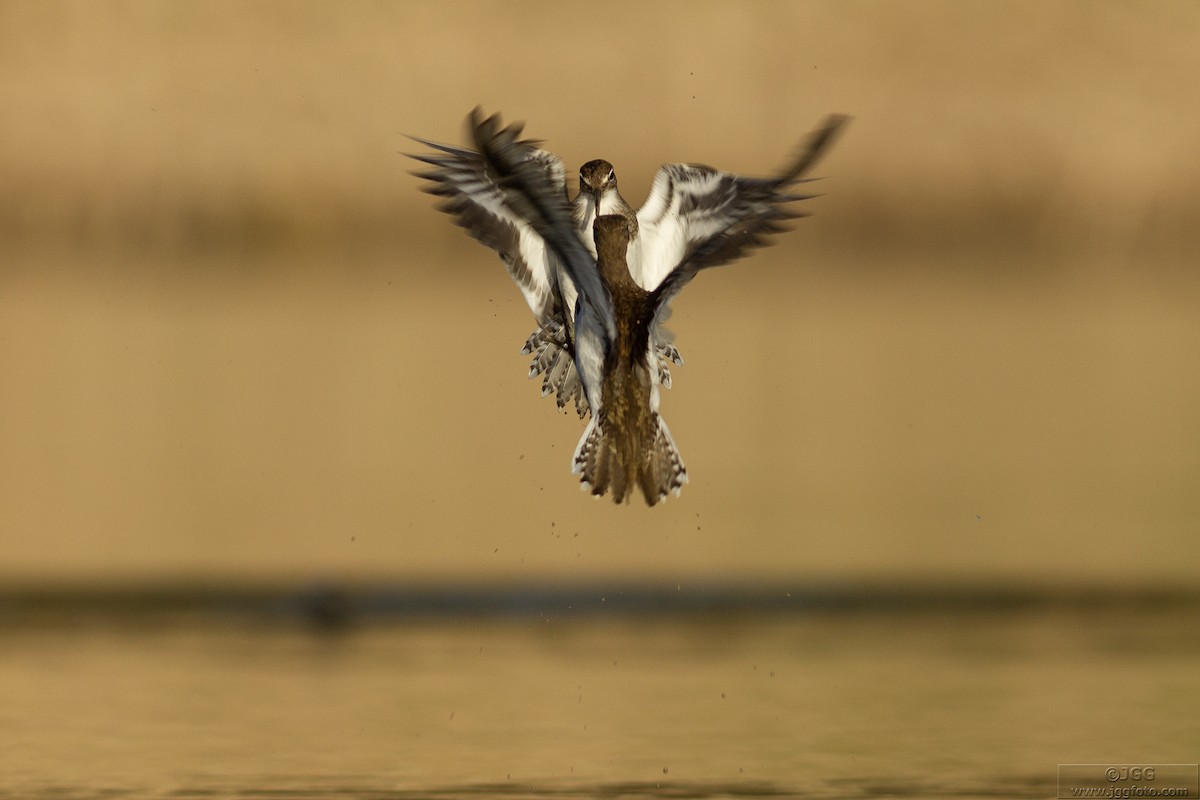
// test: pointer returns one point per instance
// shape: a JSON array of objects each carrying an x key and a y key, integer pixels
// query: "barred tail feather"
[
  {"x": 590, "y": 461},
  {"x": 664, "y": 471},
  {"x": 603, "y": 464}
]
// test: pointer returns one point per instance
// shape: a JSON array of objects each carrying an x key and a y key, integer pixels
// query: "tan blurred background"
[{"x": 236, "y": 341}]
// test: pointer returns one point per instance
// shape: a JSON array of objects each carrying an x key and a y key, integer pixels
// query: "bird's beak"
[{"x": 592, "y": 193}]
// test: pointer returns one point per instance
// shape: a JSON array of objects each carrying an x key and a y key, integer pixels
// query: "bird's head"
[{"x": 597, "y": 177}]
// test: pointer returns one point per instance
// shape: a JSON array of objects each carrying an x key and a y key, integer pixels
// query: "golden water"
[{"x": 837, "y": 705}]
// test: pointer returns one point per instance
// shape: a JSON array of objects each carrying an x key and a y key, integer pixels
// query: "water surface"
[{"x": 858, "y": 704}]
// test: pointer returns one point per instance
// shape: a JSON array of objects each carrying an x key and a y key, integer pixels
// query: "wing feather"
[
  {"x": 533, "y": 197},
  {"x": 703, "y": 217},
  {"x": 471, "y": 195}
]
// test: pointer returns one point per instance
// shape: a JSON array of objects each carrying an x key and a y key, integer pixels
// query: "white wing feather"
[{"x": 471, "y": 195}]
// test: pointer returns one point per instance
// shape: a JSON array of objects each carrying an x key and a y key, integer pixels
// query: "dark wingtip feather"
[
  {"x": 450, "y": 149},
  {"x": 819, "y": 141},
  {"x": 530, "y": 193}
]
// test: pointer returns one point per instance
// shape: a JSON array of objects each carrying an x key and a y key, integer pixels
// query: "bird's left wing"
[
  {"x": 477, "y": 203},
  {"x": 707, "y": 217}
]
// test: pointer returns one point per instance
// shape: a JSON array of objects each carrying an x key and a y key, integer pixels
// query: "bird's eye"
[{"x": 612, "y": 175}]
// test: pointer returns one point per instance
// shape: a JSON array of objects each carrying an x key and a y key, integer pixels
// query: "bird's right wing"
[
  {"x": 535, "y": 199},
  {"x": 471, "y": 196},
  {"x": 542, "y": 204}
]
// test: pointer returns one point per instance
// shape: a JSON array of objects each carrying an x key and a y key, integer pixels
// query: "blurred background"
[
  {"x": 240, "y": 348},
  {"x": 238, "y": 341}
]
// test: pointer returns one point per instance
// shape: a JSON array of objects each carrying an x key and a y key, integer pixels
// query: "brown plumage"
[
  {"x": 600, "y": 311},
  {"x": 628, "y": 447}
]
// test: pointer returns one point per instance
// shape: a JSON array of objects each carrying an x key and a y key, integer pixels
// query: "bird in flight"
[{"x": 599, "y": 276}]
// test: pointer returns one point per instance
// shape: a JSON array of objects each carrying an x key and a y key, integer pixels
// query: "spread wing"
[
  {"x": 703, "y": 217},
  {"x": 541, "y": 203},
  {"x": 477, "y": 203},
  {"x": 537, "y": 200}
]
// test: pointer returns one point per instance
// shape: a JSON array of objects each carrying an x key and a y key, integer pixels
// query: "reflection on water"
[{"x": 971, "y": 704}]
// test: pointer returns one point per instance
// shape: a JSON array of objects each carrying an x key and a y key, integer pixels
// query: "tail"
[{"x": 602, "y": 462}]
